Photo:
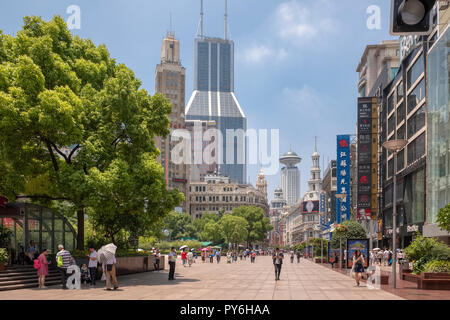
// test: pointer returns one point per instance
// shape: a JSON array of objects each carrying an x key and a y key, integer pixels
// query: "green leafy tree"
[
  {"x": 201, "y": 222},
  {"x": 212, "y": 231},
  {"x": 234, "y": 228},
  {"x": 353, "y": 230},
  {"x": 179, "y": 226},
  {"x": 258, "y": 225},
  {"x": 76, "y": 126},
  {"x": 443, "y": 218}
]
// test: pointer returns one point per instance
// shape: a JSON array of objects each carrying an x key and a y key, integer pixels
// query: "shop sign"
[{"x": 343, "y": 175}]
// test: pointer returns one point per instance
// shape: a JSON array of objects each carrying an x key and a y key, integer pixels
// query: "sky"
[{"x": 295, "y": 60}]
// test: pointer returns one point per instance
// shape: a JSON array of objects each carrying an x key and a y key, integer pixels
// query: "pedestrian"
[
  {"x": 240, "y": 255},
  {"x": 183, "y": 257},
  {"x": 277, "y": 258},
  {"x": 358, "y": 266},
  {"x": 218, "y": 256},
  {"x": 380, "y": 257},
  {"x": 190, "y": 258},
  {"x": 204, "y": 256},
  {"x": 211, "y": 257},
  {"x": 109, "y": 266},
  {"x": 92, "y": 264},
  {"x": 63, "y": 261},
  {"x": 253, "y": 256},
  {"x": 42, "y": 268},
  {"x": 298, "y": 256},
  {"x": 292, "y": 256},
  {"x": 386, "y": 257},
  {"x": 157, "y": 259},
  {"x": 172, "y": 259},
  {"x": 85, "y": 274}
]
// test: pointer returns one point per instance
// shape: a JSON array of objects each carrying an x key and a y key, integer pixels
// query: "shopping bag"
[{"x": 103, "y": 276}]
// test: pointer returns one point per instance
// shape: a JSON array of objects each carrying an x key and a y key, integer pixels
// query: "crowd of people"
[{"x": 87, "y": 272}]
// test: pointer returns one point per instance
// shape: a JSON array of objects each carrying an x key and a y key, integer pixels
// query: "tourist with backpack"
[
  {"x": 63, "y": 261},
  {"x": 41, "y": 265}
]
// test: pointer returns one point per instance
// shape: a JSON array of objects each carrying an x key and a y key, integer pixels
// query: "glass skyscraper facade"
[{"x": 213, "y": 99}]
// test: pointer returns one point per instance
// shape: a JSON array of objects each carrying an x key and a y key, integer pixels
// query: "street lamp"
[
  {"x": 394, "y": 146},
  {"x": 340, "y": 196}
]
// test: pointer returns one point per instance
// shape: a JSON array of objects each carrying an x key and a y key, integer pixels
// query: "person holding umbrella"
[
  {"x": 107, "y": 257},
  {"x": 172, "y": 259}
]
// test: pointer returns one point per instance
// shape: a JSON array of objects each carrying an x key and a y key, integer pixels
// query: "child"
[{"x": 85, "y": 274}]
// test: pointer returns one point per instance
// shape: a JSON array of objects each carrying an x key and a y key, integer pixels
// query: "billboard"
[
  {"x": 333, "y": 253},
  {"x": 357, "y": 244},
  {"x": 367, "y": 157},
  {"x": 343, "y": 176},
  {"x": 310, "y": 206}
]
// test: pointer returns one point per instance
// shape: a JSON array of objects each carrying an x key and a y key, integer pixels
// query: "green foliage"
[
  {"x": 166, "y": 245},
  {"x": 5, "y": 235},
  {"x": 3, "y": 255},
  {"x": 213, "y": 232},
  {"x": 200, "y": 223},
  {"x": 317, "y": 245},
  {"x": 353, "y": 230},
  {"x": 258, "y": 225},
  {"x": 443, "y": 218},
  {"x": 60, "y": 91},
  {"x": 147, "y": 243},
  {"x": 234, "y": 228},
  {"x": 437, "y": 266},
  {"x": 423, "y": 250},
  {"x": 179, "y": 225}
]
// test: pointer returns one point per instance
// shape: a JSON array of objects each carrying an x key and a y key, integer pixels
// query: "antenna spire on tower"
[
  {"x": 225, "y": 21},
  {"x": 201, "y": 18}
]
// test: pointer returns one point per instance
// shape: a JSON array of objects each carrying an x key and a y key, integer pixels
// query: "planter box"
[
  {"x": 434, "y": 281},
  {"x": 2, "y": 266},
  {"x": 318, "y": 260}
]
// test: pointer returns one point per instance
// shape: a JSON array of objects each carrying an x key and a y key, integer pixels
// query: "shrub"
[
  {"x": 3, "y": 255},
  {"x": 5, "y": 235},
  {"x": 437, "y": 266}
]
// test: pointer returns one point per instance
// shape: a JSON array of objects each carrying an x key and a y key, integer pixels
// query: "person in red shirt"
[{"x": 184, "y": 257}]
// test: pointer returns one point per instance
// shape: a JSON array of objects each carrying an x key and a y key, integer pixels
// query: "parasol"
[{"x": 107, "y": 252}]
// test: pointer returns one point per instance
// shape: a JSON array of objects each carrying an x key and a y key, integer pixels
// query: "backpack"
[{"x": 37, "y": 264}]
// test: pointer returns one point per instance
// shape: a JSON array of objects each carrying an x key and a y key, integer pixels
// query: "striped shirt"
[{"x": 66, "y": 258}]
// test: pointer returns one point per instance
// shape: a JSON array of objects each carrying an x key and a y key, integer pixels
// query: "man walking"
[
  {"x": 172, "y": 259},
  {"x": 218, "y": 256},
  {"x": 92, "y": 265},
  {"x": 110, "y": 268},
  {"x": 277, "y": 262},
  {"x": 298, "y": 256},
  {"x": 63, "y": 261}
]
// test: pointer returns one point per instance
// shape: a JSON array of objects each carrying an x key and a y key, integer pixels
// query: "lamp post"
[
  {"x": 340, "y": 196},
  {"x": 394, "y": 146}
]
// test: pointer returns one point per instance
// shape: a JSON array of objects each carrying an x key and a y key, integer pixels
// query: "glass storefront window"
[
  {"x": 414, "y": 197},
  {"x": 438, "y": 162},
  {"x": 416, "y": 149},
  {"x": 415, "y": 71},
  {"x": 416, "y": 122},
  {"x": 416, "y": 96}
]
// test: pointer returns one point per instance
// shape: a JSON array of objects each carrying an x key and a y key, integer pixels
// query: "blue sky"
[{"x": 295, "y": 60}]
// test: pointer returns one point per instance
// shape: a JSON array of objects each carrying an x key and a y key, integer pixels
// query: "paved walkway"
[{"x": 240, "y": 280}]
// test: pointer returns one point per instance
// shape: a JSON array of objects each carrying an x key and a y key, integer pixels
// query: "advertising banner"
[
  {"x": 333, "y": 253},
  {"x": 357, "y": 244},
  {"x": 310, "y": 206},
  {"x": 343, "y": 176}
]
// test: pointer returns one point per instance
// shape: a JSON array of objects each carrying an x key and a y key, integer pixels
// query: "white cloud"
[
  {"x": 305, "y": 100},
  {"x": 295, "y": 20},
  {"x": 260, "y": 53}
]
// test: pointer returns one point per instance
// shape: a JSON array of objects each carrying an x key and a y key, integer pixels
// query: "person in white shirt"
[{"x": 93, "y": 263}]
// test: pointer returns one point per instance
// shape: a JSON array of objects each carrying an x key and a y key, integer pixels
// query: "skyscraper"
[
  {"x": 213, "y": 99},
  {"x": 290, "y": 177},
  {"x": 170, "y": 81}
]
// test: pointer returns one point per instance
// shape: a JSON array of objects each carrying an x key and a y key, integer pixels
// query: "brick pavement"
[{"x": 205, "y": 281}]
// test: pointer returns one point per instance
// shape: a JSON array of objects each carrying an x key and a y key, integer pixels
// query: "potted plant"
[{"x": 3, "y": 258}]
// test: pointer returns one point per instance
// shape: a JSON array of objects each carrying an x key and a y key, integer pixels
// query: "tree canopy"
[
  {"x": 443, "y": 218},
  {"x": 353, "y": 230},
  {"x": 75, "y": 126},
  {"x": 258, "y": 225},
  {"x": 234, "y": 228}
]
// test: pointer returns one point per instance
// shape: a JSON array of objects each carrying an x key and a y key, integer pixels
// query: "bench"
[{"x": 434, "y": 281}]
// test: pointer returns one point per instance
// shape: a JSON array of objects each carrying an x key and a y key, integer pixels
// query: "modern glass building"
[
  {"x": 438, "y": 166},
  {"x": 213, "y": 99},
  {"x": 44, "y": 226}
]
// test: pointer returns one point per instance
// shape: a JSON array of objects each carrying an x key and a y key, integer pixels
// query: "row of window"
[{"x": 415, "y": 150}]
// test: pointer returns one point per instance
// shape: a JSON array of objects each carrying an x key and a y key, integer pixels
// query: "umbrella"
[
  {"x": 377, "y": 249},
  {"x": 106, "y": 253},
  {"x": 192, "y": 249},
  {"x": 182, "y": 247},
  {"x": 205, "y": 249}
]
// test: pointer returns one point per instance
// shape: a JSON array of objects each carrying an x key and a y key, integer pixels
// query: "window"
[
  {"x": 401, "y": 113},
  {"x": 362, "y": 91},
  {"x": 415, "y": 71},
  {"x": 401, "y": 132},
  {"x": 416, "y": 149},
  {"x": 390, "y": 105},
  {"x": 391, "y": 124},
  {"x": 416, "y": 96},
  {"x": 400, "y": 160},
  {"x": 400, "y": 91},
  {"x": 416, "y": 122},
  {"x": 414, "y": 198},
  {"x": 391, "y": 167}
]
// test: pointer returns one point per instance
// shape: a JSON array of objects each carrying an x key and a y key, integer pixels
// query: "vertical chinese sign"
[
  {"x": 367, "y": 157},
  {"x": 343, "y": 177}
]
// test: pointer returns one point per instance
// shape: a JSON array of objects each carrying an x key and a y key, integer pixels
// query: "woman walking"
[
  {"x": 358, "y": 266},
  {"x": 43, "y": 268}
]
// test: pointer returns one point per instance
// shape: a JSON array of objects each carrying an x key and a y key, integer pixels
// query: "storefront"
[
  {"x": 438, "y": 168},
  {"x": 45, "y": 227}
]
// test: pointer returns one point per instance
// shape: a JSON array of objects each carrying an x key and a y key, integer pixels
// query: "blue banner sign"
[{"x": 343, "y": 177}]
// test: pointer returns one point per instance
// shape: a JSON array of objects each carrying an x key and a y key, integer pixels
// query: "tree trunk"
[{"x": 80, "y": 236}]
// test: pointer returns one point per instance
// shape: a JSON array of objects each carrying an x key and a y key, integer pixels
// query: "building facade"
[
  {"x": 290, "y": 177},
  {"x": 218, "y": 193},
  {"x": 329, "y": 186},
  {"x": 276, "y": 208},
  {"x": 170, "y": 78}
]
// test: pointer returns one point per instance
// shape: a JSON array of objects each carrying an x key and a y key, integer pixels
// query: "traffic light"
[{"x": 411, "y": 17}]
